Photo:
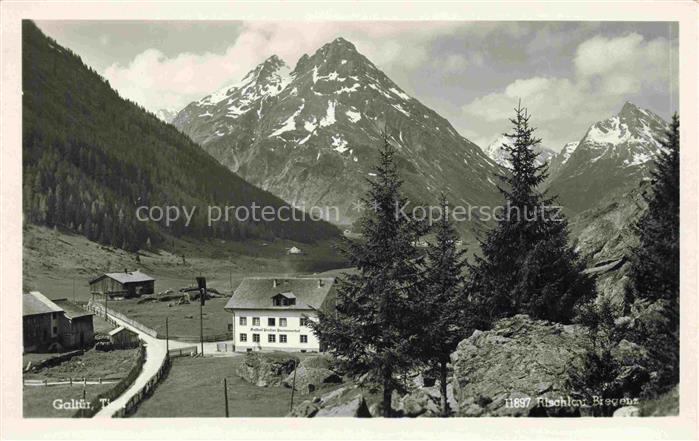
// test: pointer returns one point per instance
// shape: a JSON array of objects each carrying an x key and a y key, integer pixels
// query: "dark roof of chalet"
[
  {"x": 257, "y": 293},
  {"x": 121, "y": 329},
  {"x": 72, "y": 310},
  {"x": 126, "y": 277},
  {"x": 36, "y": 303}
]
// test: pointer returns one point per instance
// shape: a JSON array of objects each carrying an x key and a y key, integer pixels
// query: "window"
[
  {"x": 256, "y": 321},
  {"x": 271, "y": 321},
  {"x": 243, "y": 321},
  {"x": 304, "y": 339},
  {"x": 55, "y": 330},
  {"x": 282, "y": 322},
  {"x": 243, "y": 337},
  {"x": 271, "y": 338},
  {"x": 282, "y": 338},
  {"x": 230, "y": 326},
  {"x": 303, "y": 321},
  {"x": 255, "y": 338},
  {"x": 280, "y": 300}
]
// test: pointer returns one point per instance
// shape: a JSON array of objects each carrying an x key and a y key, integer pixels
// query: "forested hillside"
[{"x": 90, "y": 158}]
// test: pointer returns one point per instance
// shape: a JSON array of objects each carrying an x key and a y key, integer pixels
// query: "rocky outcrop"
[
  {"x": 522, "y": 367},
  {"x": 605, "y": 236},
  {"x": 511, "y": 369},
  {"x": 312, "y": 373},
  {"x": 307, "y": 380},
  {"x": 266, "y": 369},
  {"x": 347, "y": 401}
]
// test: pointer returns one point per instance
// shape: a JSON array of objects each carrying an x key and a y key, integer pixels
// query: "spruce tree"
[
  {"x": 370, "y": 328},
  {"x": 445, "y": 308},
  {"x": 526, "y": 264},
  {"x": 655, "y": 263}
]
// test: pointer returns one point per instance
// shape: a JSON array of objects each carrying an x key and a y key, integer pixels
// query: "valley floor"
[{"x": 60, "y": 264}]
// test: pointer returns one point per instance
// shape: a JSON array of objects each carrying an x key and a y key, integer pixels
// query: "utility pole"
[
  {"x": 167, "y": 338},
  {"x": 225, "y": 394},
  {"x": 201, "y": 282},
  {"x": 293, "y": 388},
  {"x": 106, "y": 296},
  {"x": 73, "y": 289}
]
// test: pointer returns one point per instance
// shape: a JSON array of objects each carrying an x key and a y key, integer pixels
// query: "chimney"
[
  {"x": 126, "y": 271},
  {"x": 321, "y": 283}
]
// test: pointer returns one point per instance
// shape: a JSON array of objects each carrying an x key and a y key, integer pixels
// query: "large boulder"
[
  {"x": 522, "y": 366},
  {"x": 513, "y": 368},
  {"x": 266, "y": 369},
  {"x": 346, "y": 401},
  {"x": 323, "y": 361},
  {"x": 307, "y": 380}
]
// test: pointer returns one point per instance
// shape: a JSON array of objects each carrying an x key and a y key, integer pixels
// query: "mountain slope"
[
  {"x": 310, "y": 135},
  {"x": 561, "y": 158},
  {"x": 612, "y": 157},
  {"x": 166, "y": 115},
  {"x": 90, "y": 158},
  {"x": 495, "y": 151}
]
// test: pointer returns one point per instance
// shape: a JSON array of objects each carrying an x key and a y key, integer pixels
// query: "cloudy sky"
[{"x": 569, "y": 74}]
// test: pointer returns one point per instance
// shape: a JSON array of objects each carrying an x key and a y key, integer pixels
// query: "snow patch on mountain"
[
  {"x": 399, "y": 93},
  {"x": 568, "y": 150},
  {"x": 289, "y": 124},
  {"x": 329, "y": 118},
  {"x": 353, "y": 116},
  {"x": 344, "y": 89},
  {"x": 339, "y": 143},
  {"x": 402, "y": 110}
]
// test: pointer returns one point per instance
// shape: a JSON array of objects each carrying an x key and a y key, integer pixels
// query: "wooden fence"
[
  {"x": 145, "y": 392},
  {"x": 99, "y": 310},
  {"x": 184, "y": 352},
  {"x": 117, "y": 390}
]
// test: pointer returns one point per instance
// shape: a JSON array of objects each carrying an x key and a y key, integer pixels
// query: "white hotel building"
[{"x": 271, "y": 314}]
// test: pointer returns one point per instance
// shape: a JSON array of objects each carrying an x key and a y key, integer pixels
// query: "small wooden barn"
[
  {"x": 123, "y": 338},
  {"x": 125, "y": 284}
]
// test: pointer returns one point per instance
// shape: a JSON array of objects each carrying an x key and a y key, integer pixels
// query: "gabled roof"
[
  {"x": 288, "y": 295},
  {"x": 257, "y": 293},
  {"x": 126, "y": 277},
  {"x": 36, "y": 303},
  {"x": 119, "y": 330},
  {"x": 71, "y": 310}
]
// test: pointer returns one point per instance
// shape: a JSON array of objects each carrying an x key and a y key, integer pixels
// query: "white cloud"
[
  {"x": 157, "y": 81},
  {"x": 625, "y": 64},
  {"x": 607, "y": 71}
]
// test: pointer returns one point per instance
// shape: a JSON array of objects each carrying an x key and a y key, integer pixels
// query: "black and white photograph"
[{"x": 377, "y": 218}]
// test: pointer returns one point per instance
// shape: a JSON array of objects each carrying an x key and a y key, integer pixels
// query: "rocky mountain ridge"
[
  {"x": 612, "y": 157},
  {"x": 310, "y": 134}
]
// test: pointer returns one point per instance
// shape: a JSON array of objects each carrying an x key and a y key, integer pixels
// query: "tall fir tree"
[
  {"x": 655, "y": 263},
  {"x": 526, "y": 264},
  {"x": 445, "y": 307},
  {"x": 371, "y": 327}
]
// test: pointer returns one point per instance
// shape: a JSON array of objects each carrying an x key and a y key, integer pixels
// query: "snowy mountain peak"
[
  {"x": 267, "y": 78},
  {"x": 496, "y": 151},
  {"x": 300, "y": 134},
  {"x": 633, "y": 127},
  {"x": 614, "y": 155},
  {"x": 166, "y": 115}
]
